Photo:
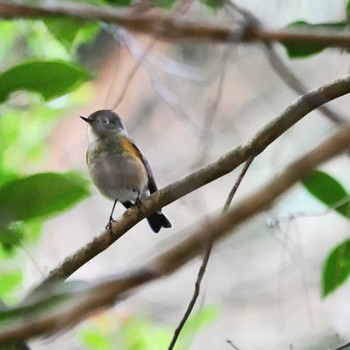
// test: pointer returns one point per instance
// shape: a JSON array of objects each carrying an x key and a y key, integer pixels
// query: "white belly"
[{"x": 118, "y": 177}]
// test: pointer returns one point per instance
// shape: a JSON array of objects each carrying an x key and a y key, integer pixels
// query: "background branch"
[
  {"x": 171, "y": 27},
  {"x": 281, "y": 68},
  {"x": 296, "y": 84},
  {"x": 231, "y": 160},
  {"x": 103, "y": 294}
]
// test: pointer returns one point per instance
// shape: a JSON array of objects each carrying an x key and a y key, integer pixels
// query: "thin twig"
[
  {"x": 282, "y": 69},
  {"x": 296, "y": 84},
  {"x": 228, "y": 341},
  {"x": 158, "y": 86},
  {"x": 194, "y": 298},
  {"x": 143, "y": 56},
  {"x": 117, "y": 61},
  {"x": 205, "y": 260},
  {"x": 211, "y": 110},
  {"x": 136, "y": 66},
  {"x": 208, "y": 250},
  {"x": 236, "y": 185},
  {"x": 302, "y": 214}
]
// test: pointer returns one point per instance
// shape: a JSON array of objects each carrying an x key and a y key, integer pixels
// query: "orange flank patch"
[{"x": 130, "y": 148}]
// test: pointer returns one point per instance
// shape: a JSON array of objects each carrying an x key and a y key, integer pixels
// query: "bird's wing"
[{"x": 151, "y": 182}]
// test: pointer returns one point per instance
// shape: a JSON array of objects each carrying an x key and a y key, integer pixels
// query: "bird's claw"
[{"x": 109, "y": 225}]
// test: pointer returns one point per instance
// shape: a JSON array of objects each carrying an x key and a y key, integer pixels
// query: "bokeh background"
[{"x": 186, "y": 105}]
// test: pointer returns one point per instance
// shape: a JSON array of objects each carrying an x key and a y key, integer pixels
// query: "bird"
[{"x": 117, "y": 166}]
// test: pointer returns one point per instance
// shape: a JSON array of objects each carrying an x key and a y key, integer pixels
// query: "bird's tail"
[{"x": 157, "y": 221}]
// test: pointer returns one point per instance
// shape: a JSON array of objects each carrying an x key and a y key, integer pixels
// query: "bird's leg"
[
  {"x": 138, "y": 200},
  {"x": 109, "y": 225}
]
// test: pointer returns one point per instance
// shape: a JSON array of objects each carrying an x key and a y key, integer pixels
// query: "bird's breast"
[{"x": 117, "y": 174}]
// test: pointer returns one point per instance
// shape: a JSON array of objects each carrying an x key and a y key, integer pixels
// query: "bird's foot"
[
  {"x": 138, "y": 200},
  {"x": 109, "y": 225}
]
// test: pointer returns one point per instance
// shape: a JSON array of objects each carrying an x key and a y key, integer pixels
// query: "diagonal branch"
[
  {"x": 170, "y": 27},
  {"x": 103, "y": 294},
  {"x": 224, "y": 165}
]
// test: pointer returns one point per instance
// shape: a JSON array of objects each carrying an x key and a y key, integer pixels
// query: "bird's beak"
[{"x": 86, "y": 119}]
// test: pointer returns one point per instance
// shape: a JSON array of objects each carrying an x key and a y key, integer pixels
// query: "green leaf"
[
  {"x": 107, "y": 2},
  {"x": 95, "y": 340},
  {"x": 336, "y": 268},
  {"x": 87, "y": 33},
  {"x": 11, "y": 237},
  {"x": 64, "y": 30},
  {"x": 43, "y": 299},
  {"x": 348, "y": 8},
  {"x": 139, "y": 333},
  {"x": 51, "y": 79},
  {"x": 214, "y": 5},
  {"x": 164, "y": 4},
  {"x": 69, "y": 31},
  {"x": 40, "y": 195},
  {"x": 9, "y": 281},
  {"x": 327, "y": 190},
  {"x": 19, "y": 149},
  {"x": 119, "y": 2},
  {"x": 5, "y": 174},
  {"x": 302, "y": 50}
]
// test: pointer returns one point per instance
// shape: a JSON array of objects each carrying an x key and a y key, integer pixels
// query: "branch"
[
  {"x": 224, "y": 165},
  {"x": 103, "y": 294},
  {"x": 171, "y": 27}
]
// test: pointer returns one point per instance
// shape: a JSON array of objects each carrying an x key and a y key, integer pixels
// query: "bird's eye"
[{"x": 105, "y": 121}]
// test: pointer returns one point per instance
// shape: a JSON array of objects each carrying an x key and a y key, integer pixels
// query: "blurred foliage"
[
  {"x": 55, "y": 296},
  {"x": 106, "y": 332},
  {"x": 38, "y": 62},
  {"x": 71, "y": 32},
  {"x": 9, "y": 281}
]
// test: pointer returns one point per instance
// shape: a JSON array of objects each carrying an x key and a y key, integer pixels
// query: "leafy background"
[{"x": 54, "y": 70}]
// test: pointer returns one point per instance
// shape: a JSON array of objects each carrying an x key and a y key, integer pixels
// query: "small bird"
[{"x": 117, "y": 166}]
